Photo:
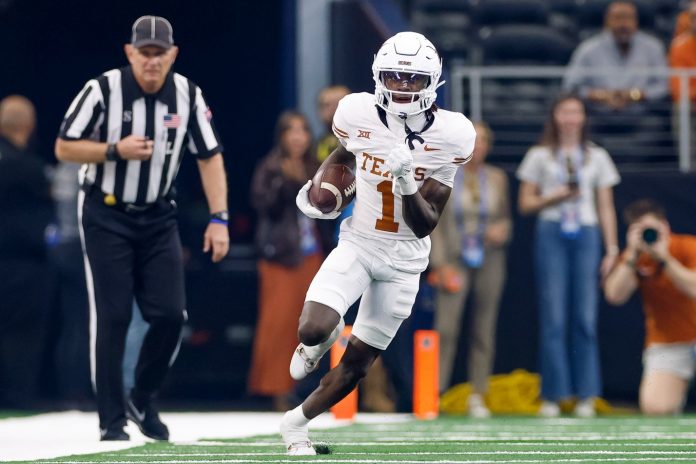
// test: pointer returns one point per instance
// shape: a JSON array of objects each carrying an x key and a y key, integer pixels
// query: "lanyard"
[
  {"x": 482, "y": 206},
  {"x": 567, "y": 163},
  {"x": 570, "y": 168}
]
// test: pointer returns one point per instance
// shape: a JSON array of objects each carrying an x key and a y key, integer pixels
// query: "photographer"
[{"x": 663, "y": 266}]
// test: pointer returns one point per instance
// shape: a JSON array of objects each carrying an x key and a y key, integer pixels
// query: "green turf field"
[
  {"x": 5, "y": 414},
  {"x": 451, "y": 440}
]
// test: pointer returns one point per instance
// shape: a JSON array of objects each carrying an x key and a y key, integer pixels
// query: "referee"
[{"x": 130, "y": 127}]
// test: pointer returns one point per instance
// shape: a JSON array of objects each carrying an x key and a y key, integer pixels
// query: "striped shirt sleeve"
[
  {"x": 83, "y": 114},
  {"x": 204, "y": 141}
]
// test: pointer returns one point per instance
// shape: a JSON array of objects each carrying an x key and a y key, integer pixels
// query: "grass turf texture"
[
  {"x": 450, "y": 440},
  {"x": 10, "y": 413}
]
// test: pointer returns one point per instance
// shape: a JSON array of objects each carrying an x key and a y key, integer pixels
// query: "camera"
[
  {"x": 573, "y": 181},
  {"x": 650, "y": 235}
]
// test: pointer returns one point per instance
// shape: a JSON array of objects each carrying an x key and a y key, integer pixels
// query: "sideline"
[{"x": 53, "y": 435}]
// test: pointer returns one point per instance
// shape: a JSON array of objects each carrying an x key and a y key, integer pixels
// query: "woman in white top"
[{"x": 567, "y": 180}]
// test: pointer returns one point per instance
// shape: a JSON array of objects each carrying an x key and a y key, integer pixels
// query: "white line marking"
[
  {"x": 427, "y": 453},
  {"x": 376, "y": 461},
  {"x": 409, "y": 443}
]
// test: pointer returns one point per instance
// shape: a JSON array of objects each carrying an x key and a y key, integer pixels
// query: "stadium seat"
[
  {"x": 668, "y": 7},
  {"x": 525, "y": 45},
  {"x": 442, "y": 6},
  {"x": 499, "y": 12},
  {"x": 567, "y": 7},
  {"x": 451, "y": 44},
  {"x": 432, "y": 23},
  {"x": 562, "y": 17}
]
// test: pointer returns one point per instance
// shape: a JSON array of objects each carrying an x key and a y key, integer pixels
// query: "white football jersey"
[{"x": 446, "y": 144}]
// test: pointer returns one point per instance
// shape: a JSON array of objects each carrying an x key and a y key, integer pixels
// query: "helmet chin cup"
[{"x": 408, "y": 52}]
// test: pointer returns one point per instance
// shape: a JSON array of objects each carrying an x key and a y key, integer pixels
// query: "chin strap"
[{"x": 413, "y": 135}]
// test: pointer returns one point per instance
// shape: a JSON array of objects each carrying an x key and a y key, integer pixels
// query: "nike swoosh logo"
[
  {"x": 138, "y": 415},
  {"x": 427, "y": 148}
]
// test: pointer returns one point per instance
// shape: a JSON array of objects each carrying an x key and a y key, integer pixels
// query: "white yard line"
[
  {"x": 427, "y": 453},
  {"x": 54, "y": 435},
  {"x": 385, "y": 461}
]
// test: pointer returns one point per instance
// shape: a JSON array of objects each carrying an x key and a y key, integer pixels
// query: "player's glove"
[
  {"x": 400, "y": 163},
  {"x": 302, "y": 201}
]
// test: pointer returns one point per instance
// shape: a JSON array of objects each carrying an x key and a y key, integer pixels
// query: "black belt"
[{"x": 112, "y": 201}]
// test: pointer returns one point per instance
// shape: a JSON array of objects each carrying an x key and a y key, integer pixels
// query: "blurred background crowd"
[{"x": 581, "y": 107}]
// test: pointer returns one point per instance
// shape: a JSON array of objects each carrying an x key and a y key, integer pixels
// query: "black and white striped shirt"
[{"x": 113, "y": 106}]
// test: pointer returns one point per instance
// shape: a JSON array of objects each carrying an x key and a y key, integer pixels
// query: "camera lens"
[{"x": 650, "y": 235}]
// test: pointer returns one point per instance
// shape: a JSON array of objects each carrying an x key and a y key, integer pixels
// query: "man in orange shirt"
[
  {"x": 662, "y": 265},
  {"x": 682, "y": 54},
  {"x": 683, "y": 23}
]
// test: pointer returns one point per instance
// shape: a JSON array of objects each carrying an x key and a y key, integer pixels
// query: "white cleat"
[
  {"x": 296, "y": 438},
  {"x": 301, "y": 364},
  {"x": 305, "y": 359},
  {"x": 301, "y": 449}
]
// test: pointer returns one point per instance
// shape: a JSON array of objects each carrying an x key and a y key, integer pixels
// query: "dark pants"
[
  {"x": 131, "y": 254},
  {"x": 24, "y": 314},
  {"x": 71, "y": 353}
]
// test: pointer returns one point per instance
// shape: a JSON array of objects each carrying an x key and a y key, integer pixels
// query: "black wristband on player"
[{"x": 112, "y": 153}]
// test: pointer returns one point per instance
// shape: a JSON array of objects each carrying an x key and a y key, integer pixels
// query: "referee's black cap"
[{"x": 152, "y": 30}]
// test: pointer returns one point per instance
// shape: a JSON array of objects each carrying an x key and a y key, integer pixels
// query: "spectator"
[
  {"x": 568, "y": 181},
  {"x": 683, "y": 22},
  {"x": 327, "y": 102},
  {"x": 468, "y": 253},
  {"x": 26, "y": 210},
  {"x": 290, "y": 254},
  {"x": 682, "y": 54},
  {"x": 662, "y": 265},
  {"x": 620, "y": 47}
]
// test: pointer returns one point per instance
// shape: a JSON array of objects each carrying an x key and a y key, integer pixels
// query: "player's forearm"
[
  {"x": 419, "y": 215},
  {"x": 339, "y": 156},
  {"x": 80, "y": 151},
  {"x": 214, "y": 182}
]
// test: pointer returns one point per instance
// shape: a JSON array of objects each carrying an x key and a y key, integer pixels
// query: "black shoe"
[
  {"x": 147, "y": 419},
  {"x": 114, "y": 434}
]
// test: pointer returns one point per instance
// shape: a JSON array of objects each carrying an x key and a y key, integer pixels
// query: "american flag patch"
[{"x": 172, "y": 121}]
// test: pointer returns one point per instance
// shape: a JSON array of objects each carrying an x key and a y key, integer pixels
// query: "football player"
[{"x": 405, "y": 152}]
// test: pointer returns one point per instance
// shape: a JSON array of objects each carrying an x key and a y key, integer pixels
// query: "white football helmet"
[{"x": 411, "y": 60}]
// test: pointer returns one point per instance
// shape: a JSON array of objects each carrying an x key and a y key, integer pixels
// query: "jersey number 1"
[{"x": 386, "y": 223}]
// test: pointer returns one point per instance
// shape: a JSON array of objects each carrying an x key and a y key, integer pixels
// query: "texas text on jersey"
[{"x": 445, "y": 142}]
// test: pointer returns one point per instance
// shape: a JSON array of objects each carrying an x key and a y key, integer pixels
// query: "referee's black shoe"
[
  {"x": 147, "y": 419},
  {"x": 114, "y": 434}
]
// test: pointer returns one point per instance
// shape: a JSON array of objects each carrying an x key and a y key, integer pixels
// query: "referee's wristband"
[{"x": 220, "y": 217}]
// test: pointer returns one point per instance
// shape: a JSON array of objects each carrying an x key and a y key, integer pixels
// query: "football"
[{"x": 333, "y": 188}]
